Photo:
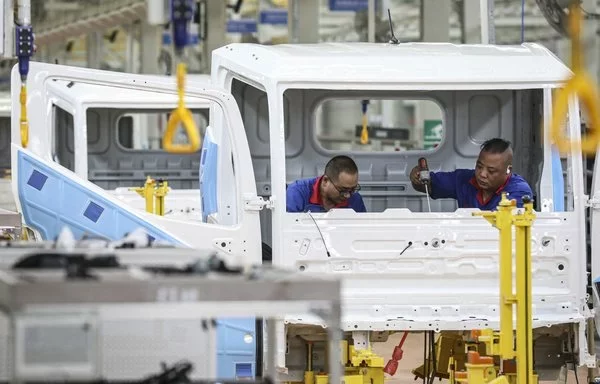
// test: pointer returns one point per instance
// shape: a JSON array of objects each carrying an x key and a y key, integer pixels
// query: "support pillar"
[
  {"x": 303, "y": 21},
  {"x": 94, "y": 47},
  {"x": 216, "y": 29},
  {"x": 591, "y": 45},
  {"x": 435, "y": 20},
  {"x": 150, "y": 45},
  {"x": 471, "y": 22}
]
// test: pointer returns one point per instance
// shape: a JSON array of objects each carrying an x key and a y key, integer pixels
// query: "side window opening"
[
  {"x": 63, "y": 135},
  {"x": 381, "y": 131},
  {"x": 391, "y": 125},
  {"x": 144, "y": 130},
  {"x": 446, "y": 127}
]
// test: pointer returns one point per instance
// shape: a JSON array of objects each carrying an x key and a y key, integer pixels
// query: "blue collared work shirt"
[
  {"x": 304, "y": 195},
  {"x": 462, "y": 186}
]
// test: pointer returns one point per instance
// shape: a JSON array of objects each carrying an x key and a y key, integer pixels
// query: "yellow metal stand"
[
  {"x": 361, "y": 367},
  {"x": 504, "y": 219},
  {"x": 154, "y": 192}
]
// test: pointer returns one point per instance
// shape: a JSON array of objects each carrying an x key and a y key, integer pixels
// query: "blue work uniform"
[
  {"x": 462, "y": 186},
  {"x": 305, "y": 195}
]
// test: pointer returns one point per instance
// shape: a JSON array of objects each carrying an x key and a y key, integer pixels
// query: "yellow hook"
[
  {"x": 580, "y": 84},
  {"x": 364, "y": 133},
  {"x": 181, "y": 115}
]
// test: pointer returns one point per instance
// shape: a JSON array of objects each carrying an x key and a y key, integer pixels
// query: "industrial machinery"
[
  {"x": 404, "y": 268},
  {"x": 387, "y": 276},
  {"x": 96, "y": 310}
]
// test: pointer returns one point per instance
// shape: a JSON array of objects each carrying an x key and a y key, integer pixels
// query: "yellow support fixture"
[
  {"x": 322, "y": 379},
  {"x": 582, "y": 85},
  {"x": 23, "y": 119},
  {"x": 523, "y": 224},
  {"x": 504, "y": 219},
  {"x": 309, "y": 374},
  {"x": 147, "y": 192},
  {"x": 181, "y": 115},
  {"x": 162, "y": 187},
  {"x": 154, "y": 194}
]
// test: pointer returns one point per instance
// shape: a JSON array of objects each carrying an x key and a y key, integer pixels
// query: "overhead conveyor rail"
[{"x": 106, "y": 15}]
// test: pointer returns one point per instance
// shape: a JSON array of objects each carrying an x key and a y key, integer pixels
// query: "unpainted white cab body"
[{"x": 405, "y": 268}]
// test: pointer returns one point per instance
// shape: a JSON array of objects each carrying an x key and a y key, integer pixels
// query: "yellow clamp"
[
  {"x": 181, "y": 115},
  {"x": 580, "y": 84},
  {"x": 23, "y": 120}
]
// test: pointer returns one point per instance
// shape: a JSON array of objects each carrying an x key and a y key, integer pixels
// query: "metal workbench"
[{"x": 136, "y": 290}]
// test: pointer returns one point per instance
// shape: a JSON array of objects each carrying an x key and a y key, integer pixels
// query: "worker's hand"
[{"x": 414, "y": 176}]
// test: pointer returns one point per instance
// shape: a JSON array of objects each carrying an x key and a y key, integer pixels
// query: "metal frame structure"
[{"x": 260, "y": 292}]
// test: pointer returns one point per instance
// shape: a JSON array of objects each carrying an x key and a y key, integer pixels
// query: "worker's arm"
[
  {"x": 517, "y": 188},
  {"x": 295, "y": 201},
  {"x": 443, "y": 185},
  {"x": 358, "y": 204}
]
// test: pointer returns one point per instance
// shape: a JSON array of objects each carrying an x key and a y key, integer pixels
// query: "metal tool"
[{"x": 425, "y": 178}]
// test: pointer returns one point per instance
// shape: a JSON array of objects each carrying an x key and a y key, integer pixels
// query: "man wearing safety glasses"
[{"x": 337, "y": 188}]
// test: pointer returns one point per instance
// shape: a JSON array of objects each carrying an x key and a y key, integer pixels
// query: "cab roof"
[{"x": 428, "y": 65}]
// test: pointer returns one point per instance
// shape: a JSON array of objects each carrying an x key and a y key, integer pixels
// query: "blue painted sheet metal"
[
  {"x": 558, "y": 182},
  {"x": 208, "y": 177},
  {"x": 51, "y": 200},
  {"x": 235, "y": 353}
]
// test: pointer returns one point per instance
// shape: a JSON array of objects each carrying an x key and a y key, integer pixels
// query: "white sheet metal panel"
[{"x": 420, "y": 271}]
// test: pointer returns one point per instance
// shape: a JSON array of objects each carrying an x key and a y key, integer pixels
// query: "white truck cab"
[
  {"x": 403, "y": 267},
  {"x": 82, "y": 144}
]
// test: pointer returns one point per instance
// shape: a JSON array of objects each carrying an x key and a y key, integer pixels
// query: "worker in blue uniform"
[
  {"x": 480, "y": 187},
  {"x": 337, "y": 188}
]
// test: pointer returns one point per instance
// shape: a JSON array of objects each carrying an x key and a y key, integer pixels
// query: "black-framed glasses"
[{"x": 344, "y": 191}]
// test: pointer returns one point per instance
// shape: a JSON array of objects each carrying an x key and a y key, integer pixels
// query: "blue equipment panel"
[
  {"x": 242, "y": 26},
  {"x": 274, "y": 17},
  {"x": 348, "y": 5}
]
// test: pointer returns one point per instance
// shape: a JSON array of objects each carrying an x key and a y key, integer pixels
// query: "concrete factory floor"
[{"x": 413, "y": 357}]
